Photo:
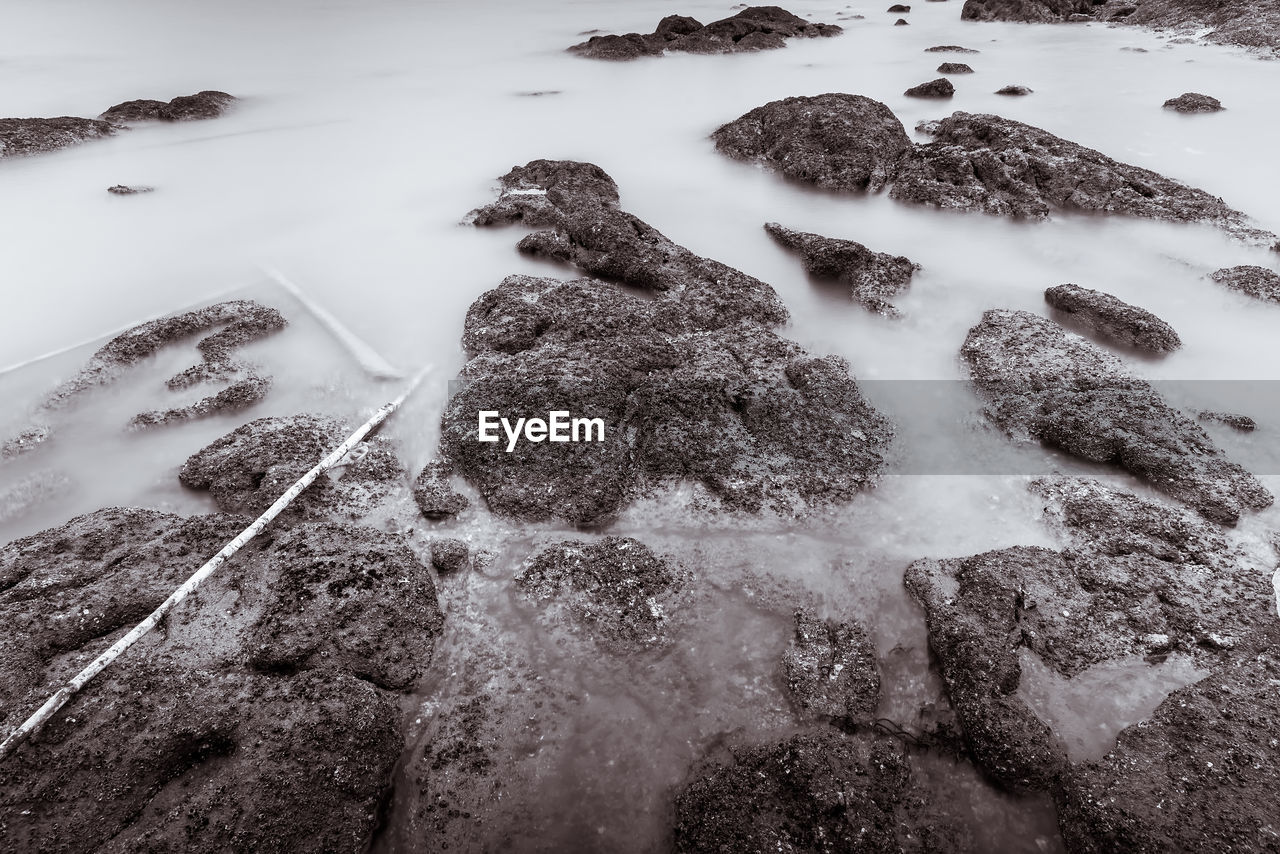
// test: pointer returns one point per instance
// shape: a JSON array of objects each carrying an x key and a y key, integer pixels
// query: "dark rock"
[
  {"x": 433, "y": 493},
  {"x": 1243, "y": 423},
  {"x": 898, "y": 7},
  {"x": 37, "y": 136},
  {"x": 122, "y": 190},
  {"x": 901, "y": 22},
  {"x": 1039, "y": 11},
  {"x": 950, "y": 48},
  {"x": 1200, "y": 774},
  {"x": 449, "y": 554},
  {"x": 1047, "y": 384},
  {"x": 816, "y": 791},
  {"x": 255, "y": 716},
  {"x": 873, "y": 278},
  {"x": 615, "y": 588},
  {"x": 831, "y": 670},
  {"x": 1257, "y": 282},
  {"x": 1014, "y": 89},
  {"x": 208, "y": 104},
  {"x": 954, "y": 68},
  {"x": 1253, "y": 25},
  {"x": 1111, "y": 319},
  {"x": 248, "y": 469},
  {"x": 940, "y": 88},
  {"x": 840, "y": 142},
  {"x": 754, "y": 28},
  {"x": 1193, "y": 102}
]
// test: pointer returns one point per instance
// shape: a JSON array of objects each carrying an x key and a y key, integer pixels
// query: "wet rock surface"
[
  {"x": 449, "y": 554},
  {"x": 1037, "y": 11},
  {"x": 1014, "y": 89},
  {"x": 950, "y": 48},
  {"x": 1045, "y": 383},
  {"x": 258, "y": 715},
  {"x": 38, "y": 136},
  {"x": 1257, "y": 282},
  {"x": 1112, "y": 319},
  {"x": 940, "y": 88},
  {"x": 831, "y": 670},
  {"x": 1193, "y": 102},
  {"x": 208, "y": 104},
  {"x": 873, "y": 278},
  {"x": 1253, "y": 25},
  {"x": 249, "y": 468},
  {"x": 124, "y": 190},
  {"x": 754, "y": 28},
  {"x": 1235, "y": 421},
  {"x": 954, "y": 68},
  {"x": 435, "y": 495}
]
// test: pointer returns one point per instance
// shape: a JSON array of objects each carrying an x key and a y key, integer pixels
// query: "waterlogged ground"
[{"x": 364, "y": 134}]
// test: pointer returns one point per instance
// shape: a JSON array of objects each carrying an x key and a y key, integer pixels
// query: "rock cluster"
[
  {"x": 754, "y": 28},
  {"x": 873, "y": 278},
  {"x": 1112, "y": 319}
]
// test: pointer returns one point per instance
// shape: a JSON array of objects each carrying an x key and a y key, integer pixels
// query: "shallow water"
[{"x": 367, "y": 130}]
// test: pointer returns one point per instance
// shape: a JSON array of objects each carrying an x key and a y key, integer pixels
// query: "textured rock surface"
[
  {"x": 37, "y": 136},
  {"x": 1014, "y": 89},
  {"x": 873, "y": 278},
  {"x": 954, "y": 68},
  {"x": 1257, "y": 282},
  {"x": 940, "y": 88},
  {"x": 1193, "y": 102},
  {"x": 1255, "y": 25},
  {"x": 1038, "y": 11},
  {"x": 1243, "y": 423},
  {"x": 208, "y": 104},
  {"x": 449, "y": 554},
  {"x": 123, "y": 190},
  {"x": 831, "y": 670},
  {"x": 950, "y": 48},
  {"x": 1112, "y": 319},
  {"x": 754, "y": 28},
  {"x": 1045, "y": 383},
  {"x": 257, "y": 717},
  {"x": 435, "y": 495}
]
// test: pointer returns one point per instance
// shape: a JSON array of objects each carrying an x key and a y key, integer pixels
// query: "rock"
[
  {"x": 1039, "y": 11},
  {"x": 950, "y": 48},
  {"x": 1257, "y": 282},
  {"x": 38, "y": 136},
  {"x": 616, "y": 589},
  {"x": 1133, "y": 569},
  {"x": 259, "y": 713},
  {"x": 954, "y": 68},
  {"x": 754, "y": 28},
  {"x": 898, "y": 7},
  {"x": 1045, "y": 383},
  {"x": 831, "y": 670},
  {"x": 122, "y": 190},
  {"x": 208, "y": 104},
  {"x": 1193, "y": 102},
  {"x": 433, "y": 493},
  {"x": 249, "y": 468},
  {"x": 1200, "y": 774},
  {"x": 1111, "y": 319},
  {"x": 819, "y": 790},
  {"x": 873, "y": 278},
  {"x": 1243, "y": 423},
  {"x": 449, "y": 554},
  {"x": 1014, "y": 89},
  {"x": 839, "y": 142},
  {"x": 1252, "y": 25},
  {"x": 940, "y": 88},
  {"x": 901, "y": 22}
]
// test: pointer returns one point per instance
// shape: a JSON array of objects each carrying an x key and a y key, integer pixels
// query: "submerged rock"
[
  {"x": 1014, "y": 89},
  {"x": 1257, "y": 282},
  {"x": 435, "y": 495},
  {"x": 873, "y": 278},
  {"x": 449, "y": 554},
  {"x": 1112, "y": 319},
  {"x": 1243, "y": 423},
  {"x": 38, "y": 136},
  {"x": 898, "y": 7},
  {"x": 754, "y": 28},
  {"x": 1037, "y": 11},
  {"x": 1045, "y": 383},
  {"x": 208, "y": 104},
  {"x": 950, "y": 48},
  {"x": 255, "y": 714},
  {"x": 123, "y": 190},
  {"x": 831, "y": 670},
  {"x": 1193, "y": 102},
  {"x": 901, "y": 22},
  {"x": 954, "y": 68}
]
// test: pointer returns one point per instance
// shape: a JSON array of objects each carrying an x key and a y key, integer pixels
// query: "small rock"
[
  {"x": 954, "y": 68},
  {"x": 1014, "y": 89},
  {"x": 1243, "y": 423},
  {"x": 950, "y": 48},
  {"x": 449, "y": 554},
  {"x": 122, "y": 190},
  {"x": 901, "y": 22},
  {"x": 433, "y": 493},
  {"x": 1257, "y": 282},
  {"x": 1194, "y": 102},
  {"x": 1112, "y": 319},
  {"x": 898, "y": 7},
  {"x": 873, "y": 278},
  {"x": 940, "y": 88},
  {"x": 20, "y": 137},
  {"x": 831, "y": 669}
]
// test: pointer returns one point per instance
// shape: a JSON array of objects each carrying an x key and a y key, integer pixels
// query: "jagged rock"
[
  {"x": 1193, "y": 102},
  {"x": 831, "y": 670},
  {"x": 1014, "y": 89},
  {"x": 1243, "y": 423},
  {"x": 954, "y": 68},
  {"x": 1254, "y": 25},
  {"x": 258, "y": 715},
  {"x": 840, "y": 142},
  {"x": 940, "y": 88},
  {"x": 950, "y": 48},
  {"x": 873, "y": 278},
  {"x": 754, "y": 28},
  {"x": 616, "y": 588},
  {"x": 1045, "y": 383},
  {"x": 1200, "y": 774},
  {"x": 208, "y": 104},
  {"x": 449, "y": 554},
  {"x": 37, "y": 136},
  {"x": 1039, "y": 11},
  {"x": 1257, "y": 282},
  {"x": 122, "y": 190},
  {"x": 433, "y": 493},
  {"x": 249, "y": 468},
  {"x": 816, "y": 791},
  {"x": 1111, "y": 319}
]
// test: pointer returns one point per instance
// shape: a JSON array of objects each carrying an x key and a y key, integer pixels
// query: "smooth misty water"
[{"x": 367, "y": 130}]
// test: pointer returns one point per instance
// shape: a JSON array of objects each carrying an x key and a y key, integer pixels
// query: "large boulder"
[
  {"x": 1045, "y": 383},
  {"x": 754, "y": 28},
  {"x": 873, "y": 278},
  {"x": 208, "y": 104},
  {"x": 38, "y": 136},
  {"x": 1112, "y": 319}
]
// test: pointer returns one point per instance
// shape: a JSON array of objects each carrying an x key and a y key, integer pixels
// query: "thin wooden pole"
[{"x": 60, "y": 698}]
